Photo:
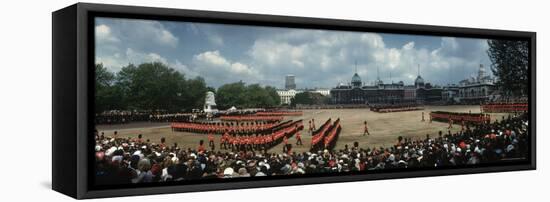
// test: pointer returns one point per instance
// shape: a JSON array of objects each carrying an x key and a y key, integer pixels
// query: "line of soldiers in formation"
[
  {"x": 484, "y": 119},
  {"x": 258, "y": 141},
  {"x": 280, "y": 113},
  {"x": 504, "y": 107},
  {"x": 244, "y": 128},
  {"x": 326, "y": 136},
  {"x": 250, "y": 136},
  {"x": 251, "y": 118},
  {"x": 395, "y": 107}
]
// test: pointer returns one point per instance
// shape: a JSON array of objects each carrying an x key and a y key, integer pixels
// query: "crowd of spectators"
[{"x": 134, "y": 160}]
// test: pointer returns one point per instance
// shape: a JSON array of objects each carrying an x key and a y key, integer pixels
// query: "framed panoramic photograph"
[{"x": 154, "y": 100}]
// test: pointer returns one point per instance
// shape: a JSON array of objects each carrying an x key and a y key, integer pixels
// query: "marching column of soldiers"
[
  {"x": 395, "y": 107},
  {"x": 261, "y": 141},
  {"x": 240, "y": 128},
  {"x": 451, "y": 122}
]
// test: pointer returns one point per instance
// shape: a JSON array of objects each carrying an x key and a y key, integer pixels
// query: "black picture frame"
[{"x": 72, "y": 99}]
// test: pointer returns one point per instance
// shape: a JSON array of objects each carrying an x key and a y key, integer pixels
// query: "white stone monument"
[{"x": 210, "y": 103}]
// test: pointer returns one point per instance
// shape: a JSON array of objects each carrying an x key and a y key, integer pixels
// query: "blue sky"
[{"x": 318, "y": 58}]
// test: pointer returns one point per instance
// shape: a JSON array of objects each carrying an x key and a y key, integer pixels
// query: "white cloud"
[
  {"x": 179, "y": 66},
  {"x": 216, "y": 60},
  {"x": 217, "y": 70},
  {"x": 215, "y": 40},
  {"x": 449, "y": 43},
  {"x": 240, "y": 68},
  {"x": 103, "y": 34},
  {"x": 373, "y": 40},
  {"x": 118, "y": 60},
  {"x": 315, "y": 57},
  {"x": 151, "y": 31},
  {"x": 136, "y": 57},
  {"x": 212, "y": 58},
  {"x": 277, "y": 53},
  {"x": 394, "y": 58},
  {"x": 120, "y": 42},
  {"x": 409, "y": 46},
  {"x": 135, "y": 32},
  {"x": 113, "y": 63},
  {"x": 166, "y": 37}
]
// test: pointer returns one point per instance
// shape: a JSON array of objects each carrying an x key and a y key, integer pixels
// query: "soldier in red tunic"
[
  {"x": 223, "y": 140},
  {"x": 366, "y": 129},
  {"x": 211, "y": 140},
  {"x": 201, "y": 146},
  {"x": 310, "y": 129},
  {"x": 285, "y": 143},
  {"x": 298, "y": 137},
  {"x": 462, "y": 124}
]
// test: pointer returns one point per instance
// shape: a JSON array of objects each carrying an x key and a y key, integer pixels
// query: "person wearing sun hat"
[{"x": 228, "y": 172}]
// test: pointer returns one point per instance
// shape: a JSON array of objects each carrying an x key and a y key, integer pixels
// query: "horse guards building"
[{"x": 471, "y": 90}]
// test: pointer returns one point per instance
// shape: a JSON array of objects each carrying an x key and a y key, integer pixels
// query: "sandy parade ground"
[{"x": 384, "y": 128}]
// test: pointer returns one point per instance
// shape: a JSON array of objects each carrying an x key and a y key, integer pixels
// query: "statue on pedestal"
[{"x": 210, "y": 103}]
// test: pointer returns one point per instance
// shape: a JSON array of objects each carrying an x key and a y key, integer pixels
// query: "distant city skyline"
[{"x": 266, "y": 55}]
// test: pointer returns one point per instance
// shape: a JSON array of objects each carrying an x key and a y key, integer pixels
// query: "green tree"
[
  {"x": 155, "y": 86},
  {"x": 103, "y": 77},
  {"x": 195, "y": 93},
  {"x": 241, "y": 95},
  {"x": 510, "y": 63},
  {"x": 301, "y": 98},
  {"x": 107, "y": 95},
  {"x": 258, "y": 97},
  {"x": 232, "y": 94},
  {"x": 309, "y": 98},
  {"x": 272, "y": 92}
]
